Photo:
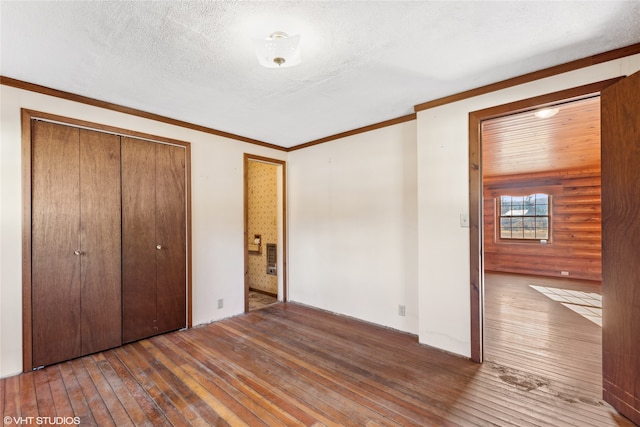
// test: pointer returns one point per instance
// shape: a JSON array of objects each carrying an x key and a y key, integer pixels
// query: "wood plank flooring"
[
  {"x": 289, "y": 364},
  {"x": 527, "y": 330}
]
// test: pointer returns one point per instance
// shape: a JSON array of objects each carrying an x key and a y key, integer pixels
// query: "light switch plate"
[{"x": 464, "y": 220}]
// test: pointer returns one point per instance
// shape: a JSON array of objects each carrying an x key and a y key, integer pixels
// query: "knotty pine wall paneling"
[{"x": 575, "y": 244}]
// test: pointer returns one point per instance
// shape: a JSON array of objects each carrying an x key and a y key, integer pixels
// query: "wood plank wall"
[{"x": 575, "y": 245}]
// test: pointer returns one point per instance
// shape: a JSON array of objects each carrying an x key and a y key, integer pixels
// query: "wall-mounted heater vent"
[{"x": 272, "y": 259}]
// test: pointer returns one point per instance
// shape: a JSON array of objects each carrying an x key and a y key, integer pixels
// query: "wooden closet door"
[
  {"x": 101, "y": 316},
  {"x": 171, "y": 237},
  {"x": 75, "y": 242},
  {"x": 55, "y": 277},
  {"x": 138, "y": 239}
]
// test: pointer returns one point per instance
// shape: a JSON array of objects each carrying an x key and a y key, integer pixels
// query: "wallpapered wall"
[{"x": 263, "y": 220}]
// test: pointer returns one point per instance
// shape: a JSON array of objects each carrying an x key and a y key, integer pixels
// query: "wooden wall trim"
[
  {"x": 363, "y": 129},
  {"x": 475, "y": 235},
  {"x": 535, "y": 75},
  {"x": 8, "y": 81},
  {"x": 189, "y": 238},
  {"x": 245, "y": 224},
  {"x": 27, "y": 324},
  {"x": 476, "y": 195},
  {"x": 542, "y": 101},
  {"x": 102, "y": 128},
  {"x": 516, "y": 189}
]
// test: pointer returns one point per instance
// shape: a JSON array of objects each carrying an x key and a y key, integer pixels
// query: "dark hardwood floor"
[{"x": 289, "y": 364}]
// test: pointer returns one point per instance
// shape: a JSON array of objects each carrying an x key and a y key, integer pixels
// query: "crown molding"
[
  {"x": 535, "y": 75},
  {"x": 515, "y": 81},
  {"x": 8, "y": 81},
  {"x": 363, "y": 129}
]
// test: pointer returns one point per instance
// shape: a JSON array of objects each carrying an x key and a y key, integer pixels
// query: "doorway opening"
[
  {"x": 619, "y": 347},
  {"x": 264, "y": 232},
  {"x": 542, "y": 243},
  {"x": 535, "y": 233},
  {"x": 477, "y": 193}
]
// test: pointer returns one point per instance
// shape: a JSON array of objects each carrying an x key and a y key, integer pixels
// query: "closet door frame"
[{"x": 27, "y": 116}]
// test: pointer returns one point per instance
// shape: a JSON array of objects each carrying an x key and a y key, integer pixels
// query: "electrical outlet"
[
  {"x": 401, "y": 310},
  {"x": 220, "y": 303},
  {"x": 564, "y": 273}
]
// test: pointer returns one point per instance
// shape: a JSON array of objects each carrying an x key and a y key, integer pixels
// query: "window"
[{"x": 524, "y": 217}]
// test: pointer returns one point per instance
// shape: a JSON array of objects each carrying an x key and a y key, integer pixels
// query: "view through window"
[{"x": 524, "y": 217}]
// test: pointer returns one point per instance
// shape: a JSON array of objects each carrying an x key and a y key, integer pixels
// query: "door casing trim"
[
  {"x": 476, "y": 251},
  {"x": 283, "y": 164}
]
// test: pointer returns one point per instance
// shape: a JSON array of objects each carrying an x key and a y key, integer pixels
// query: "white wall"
[
  {"x": 352, "y": 226},
  {"x": 217, "y": 212},
  {"x": 373, "y": 218},
  {"x": 443, "y": 188}
]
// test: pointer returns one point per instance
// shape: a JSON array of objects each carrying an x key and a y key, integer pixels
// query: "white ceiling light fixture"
[
  {"x": 546, "y": 113},
  {"x": 279, "y": 50}
]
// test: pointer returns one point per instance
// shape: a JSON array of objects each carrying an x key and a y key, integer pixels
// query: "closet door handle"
[
  {"x": 77, "y": 253},
  {"x": 158, "y": 247}
]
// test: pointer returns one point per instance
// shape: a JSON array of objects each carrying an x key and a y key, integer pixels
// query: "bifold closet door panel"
[
  {"x": 101, "y": 318},
  {"x": 138, "y": 239},
  {"x": 171, "y": 237},
  {"x": 55, "y": 276}
]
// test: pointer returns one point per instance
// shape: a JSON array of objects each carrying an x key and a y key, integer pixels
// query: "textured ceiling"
[{"x": 363, "y": 62}]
